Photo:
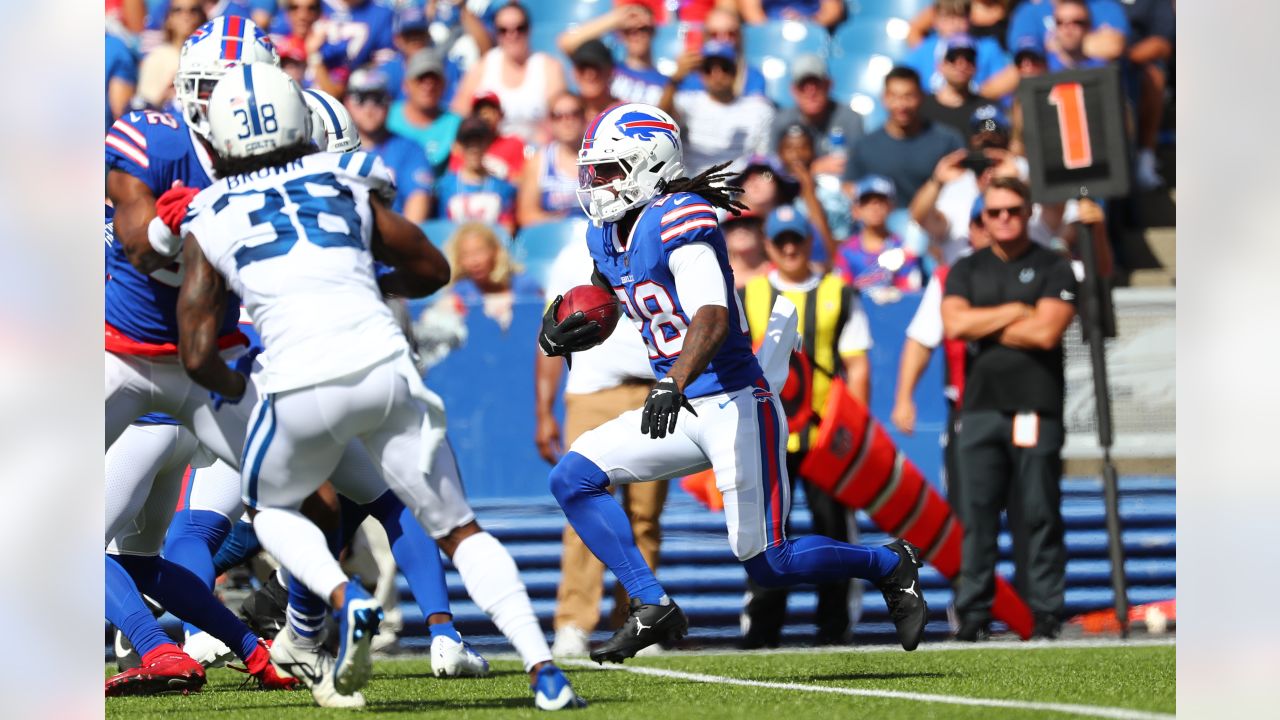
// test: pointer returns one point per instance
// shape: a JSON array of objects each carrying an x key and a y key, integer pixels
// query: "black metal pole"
[{"x": 1091, "y": 324}]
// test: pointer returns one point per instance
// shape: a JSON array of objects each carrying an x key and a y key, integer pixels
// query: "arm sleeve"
[
  {"x": 926, "y": 324},
  {"x": 1061, "y": 282},
  {"x": 691, "y": 265},
  {"x": 855, "y": 337}
]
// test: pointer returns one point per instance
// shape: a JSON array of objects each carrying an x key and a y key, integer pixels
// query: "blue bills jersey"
[
  {"x": 642, "y": 279},
  {"x": 158, "y": 149}
]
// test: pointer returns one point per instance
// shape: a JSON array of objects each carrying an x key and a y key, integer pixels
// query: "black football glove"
[
  {"x": 575, "y": 334},
  {"x": 661, "y": 407}
]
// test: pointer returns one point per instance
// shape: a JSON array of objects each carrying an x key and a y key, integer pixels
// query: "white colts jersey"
[{"x": 294, "y": 243}]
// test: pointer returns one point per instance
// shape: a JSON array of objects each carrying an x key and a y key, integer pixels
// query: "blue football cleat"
[
  {"x": 552, "y": 691},
  {"x": 357, "y": 624}
]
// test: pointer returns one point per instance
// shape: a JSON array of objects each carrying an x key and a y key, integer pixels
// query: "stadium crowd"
[{"x": 865, "y": 136}]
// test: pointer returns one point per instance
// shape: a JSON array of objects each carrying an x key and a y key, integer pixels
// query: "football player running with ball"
[{"x": 657, "y": 244}]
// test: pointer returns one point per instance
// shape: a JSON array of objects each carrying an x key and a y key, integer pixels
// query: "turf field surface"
[{"x": 1007, "y": 680}]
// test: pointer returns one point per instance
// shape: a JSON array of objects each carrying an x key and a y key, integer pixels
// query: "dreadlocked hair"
[{"x": 711, "y": 185}]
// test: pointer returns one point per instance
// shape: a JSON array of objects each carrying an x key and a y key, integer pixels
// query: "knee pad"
[
  {"x": 771, "y": 568},
  {"x": 575, "y": 475}
]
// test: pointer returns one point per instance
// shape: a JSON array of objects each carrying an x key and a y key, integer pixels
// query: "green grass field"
[{"x": 996, "y": 680}]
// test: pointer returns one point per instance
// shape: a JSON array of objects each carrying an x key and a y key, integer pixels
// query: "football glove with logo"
[
  {"x": 574, "y": 334},
  {"x": 661, "y": 408}
]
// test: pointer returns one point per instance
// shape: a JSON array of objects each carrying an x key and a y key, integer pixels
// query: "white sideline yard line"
[{"x": 1086, "y": 710}]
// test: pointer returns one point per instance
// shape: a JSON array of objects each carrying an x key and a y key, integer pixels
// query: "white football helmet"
[
  {"x": 255, "y": 109},
  {"x": 331, "y": 127},
  {"x": 213, "y": 49},
  {"x": 629, "y": 154}
]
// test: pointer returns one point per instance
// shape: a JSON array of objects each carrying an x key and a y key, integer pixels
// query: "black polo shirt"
[{"x": 1000, "y": 377}]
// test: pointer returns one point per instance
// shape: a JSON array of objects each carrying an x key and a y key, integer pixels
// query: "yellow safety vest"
[{"x": 822, "y": 312}]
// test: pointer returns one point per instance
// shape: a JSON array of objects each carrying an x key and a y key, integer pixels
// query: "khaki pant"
[{"x": 581, "y": 574}]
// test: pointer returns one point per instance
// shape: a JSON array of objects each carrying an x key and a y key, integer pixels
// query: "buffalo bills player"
[{"x": 657, "y": 244}]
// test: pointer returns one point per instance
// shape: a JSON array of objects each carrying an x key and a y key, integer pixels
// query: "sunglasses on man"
[{"x": 993, "y": 213}]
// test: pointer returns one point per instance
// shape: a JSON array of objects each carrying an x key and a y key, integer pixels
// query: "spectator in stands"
[
  {"x": 1013, "y": 301},
  {"x": 1072, "y": 23},
  {"x": 484, "y": 275},
  {"x": 1105, "y": 40},
  {"x": 603, "y": 383},
  {"x": 907, "y": 147},
  {"x": 954, "y": 102},
  {"x": 722, "y": 25},
  {"x": 505, "y": 157},
  {"x": 765, "y": 185},
  {"x": 421, "y": 115},
  {"x": 471, "y": 193},
  {"x": 351, "y": 35},
  {"x": 549, "y": 184},
  {"x": 635, "y": 79},
  {"x": 819, "y": 197},
  {"x": 293, "y": 59},
  {"x": 987, "y": 19},
  {"x": 834, "y": 127},
  {"x": 744, "y": 240},
  {"x": 1030, "y": 61},
  {"x": 951, "y": 18},
  {"x": 720, "y": 125},
  {"x": 1152, "y": 26},
  {"x": 155, "y": 89},
  {"x": 592, "y": 73},
  {"x": 299, "y": 25},
  {"x": 942, "y": 204},
  {"x": 525, "y": 82},
  {"x": 122, "y": 77},
  {"x": 412, "y": 37},
  {"x": 368, "y": 96},
  {"x": 827, "y": 13},
  {"x": 836, "y": 339},
  {"x": 875, "y": 257}
]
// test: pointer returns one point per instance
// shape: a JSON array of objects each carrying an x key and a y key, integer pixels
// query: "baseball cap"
[
  {"x": 876, "y": 185},
  {"x": 808, "y": 66},
  {"x": 1028, "y": 45},
  {"x": 989, "y": 118},
  {"x": 409, "y": 19},
  {"x": 488, "y": 96},
  {"x": 960, "y": 41},
  {"x": 474, "y": 130},
  {"x": 975, "y": 212},
  {"x": 422, "y": 62},
  {"x": 785, "y": 219},
  {"x": 720, "y": 50},
  {"x": 592, "y": 53},
  {"x": 366, "y": 81}
]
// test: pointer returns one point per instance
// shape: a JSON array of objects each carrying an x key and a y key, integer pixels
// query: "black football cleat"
[
  {"x": 1047, "y": 627},
  {"x": 974, "y": 631},
  {"x": 645, "y": 626},
  {"x": 264, "y": 610},
  {"x": 904, "y": 596}
]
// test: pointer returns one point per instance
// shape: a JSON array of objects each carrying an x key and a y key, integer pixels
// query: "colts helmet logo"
[{"x": 644, "y": 126}]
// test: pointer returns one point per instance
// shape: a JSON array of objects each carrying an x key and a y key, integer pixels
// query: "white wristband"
[{"x": 162, "y": 238}]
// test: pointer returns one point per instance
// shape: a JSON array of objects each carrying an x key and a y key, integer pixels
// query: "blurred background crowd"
[{"x": 863, "y": 133}]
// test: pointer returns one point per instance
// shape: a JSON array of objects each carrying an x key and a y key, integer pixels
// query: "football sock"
[
  {"x": 193, "y": 537},
  {"x": 241, "y": 544},
  {"x": 306, "y": 611},
  {"x": 180, "y": 592},
  {"x": 818, "y": 559},
  {"x": 445, "y": 629},
  {"x": 301, "y": 548},
  {"x": 127, "y": 611},
  {"x": 493, "y": 582},
  {"x": 600, "y": 521},
  {"x": 415, "y": 552}
]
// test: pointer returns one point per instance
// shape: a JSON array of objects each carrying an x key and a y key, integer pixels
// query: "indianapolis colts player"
[
  {"x": 656, "y": 243},
  {"x": 334, "y": 354}
]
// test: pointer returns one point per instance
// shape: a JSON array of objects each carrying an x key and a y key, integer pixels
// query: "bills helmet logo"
[{"x": 643, "y": 126}]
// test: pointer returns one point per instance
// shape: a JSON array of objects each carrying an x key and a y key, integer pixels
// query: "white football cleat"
[
  {"x": 313, "y": 666},
  {"x": 207, "y": 650},
  {"x": 552, "y": 691},
  {"x": 450, "y": 658},
  {"x": 357, "y": 625},
  {"x": 571, "y": 641}
]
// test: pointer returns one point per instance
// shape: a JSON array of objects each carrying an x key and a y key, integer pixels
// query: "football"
[{"x": 594, "y": 302}]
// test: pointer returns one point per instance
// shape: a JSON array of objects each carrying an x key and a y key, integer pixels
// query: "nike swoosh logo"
[
  {"x": 680, "y": 201},
  {"x": 304, "y": 669},
  {"x": 726, "y": 402},
  {"x": 660, "y": 392}
]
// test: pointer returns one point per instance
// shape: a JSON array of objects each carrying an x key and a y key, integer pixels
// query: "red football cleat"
[
  {"x": 165, "y": 669},
  {"x": 259, "y": 666}
]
